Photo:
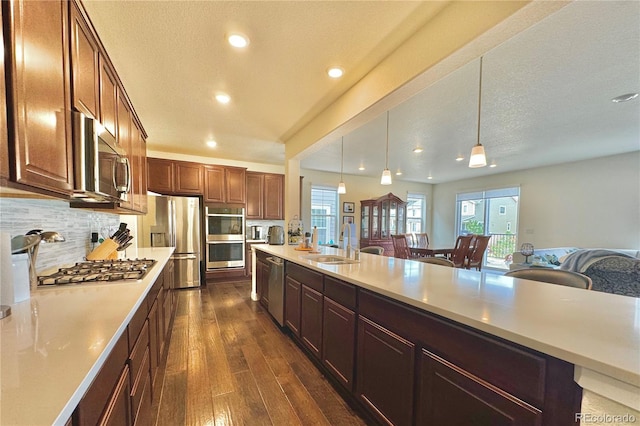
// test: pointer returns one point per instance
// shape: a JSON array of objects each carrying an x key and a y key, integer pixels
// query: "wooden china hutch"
[{"x": 381, "y": 218}]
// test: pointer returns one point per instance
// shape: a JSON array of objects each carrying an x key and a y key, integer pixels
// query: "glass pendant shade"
[
  {"x": 478, "y": 158},
  {"x": 342, "y": 189},
  {"x": 386, "y": 177}
]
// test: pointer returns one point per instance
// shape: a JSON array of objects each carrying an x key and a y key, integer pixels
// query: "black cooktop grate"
[{"x": 99, "y": 270}]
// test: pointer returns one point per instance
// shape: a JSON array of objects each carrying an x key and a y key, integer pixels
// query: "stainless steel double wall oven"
[{"x": 225, "y": 236}]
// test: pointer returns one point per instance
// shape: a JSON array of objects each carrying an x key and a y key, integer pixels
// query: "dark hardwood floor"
[{"x": 229, "y": 364}]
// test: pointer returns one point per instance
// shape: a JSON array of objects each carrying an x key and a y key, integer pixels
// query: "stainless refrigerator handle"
[
  {"x": 172, "y": 222},
  {"x": 184, "y": 257}
]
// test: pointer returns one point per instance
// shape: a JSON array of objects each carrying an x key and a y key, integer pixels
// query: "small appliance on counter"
[
  {"x": 255, "y": 233},
  {"x": 275, "y": 236}
]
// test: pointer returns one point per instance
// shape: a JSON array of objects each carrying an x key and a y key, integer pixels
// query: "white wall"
[
  {"x": 358, "y": 188},
  {"x": 592, "y": 203},
  {"x": 254, "y": 167}
]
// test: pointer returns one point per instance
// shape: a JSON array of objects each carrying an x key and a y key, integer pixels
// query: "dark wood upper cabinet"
[
  {"x": 4, "y": 139},
  {"x": 214, "y": 184},
  {"x": 40, "y": 90},
  {"x": 124, "y": 140},
  {"x": 255, "y": 194},
  {"x": 188, "y": 178},
  {"x": 85, "y": 65},
  {"x": 160, "y": 175},
  {"x": 108, "y": 105},
  {"x": 235, "y": 185},
  {"x": 265, "y": 196},
  {"x": 273, "y": 196}
]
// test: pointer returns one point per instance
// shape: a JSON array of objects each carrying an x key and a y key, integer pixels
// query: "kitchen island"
[
  {"x": 595, "y": 334},
  {"x": 54, "y": 345}
]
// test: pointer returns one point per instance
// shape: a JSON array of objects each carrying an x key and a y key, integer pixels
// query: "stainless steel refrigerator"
[{"x": 175, "y": 222}]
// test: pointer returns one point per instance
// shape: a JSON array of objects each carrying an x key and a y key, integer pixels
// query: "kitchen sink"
[{"x": 329, "y": 259}]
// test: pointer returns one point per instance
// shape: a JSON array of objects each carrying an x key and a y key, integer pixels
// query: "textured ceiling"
[
  {"x": 546, "y": 99},
  {"x": 546, "y": 92},
  {"x": 172, "y": 57}
]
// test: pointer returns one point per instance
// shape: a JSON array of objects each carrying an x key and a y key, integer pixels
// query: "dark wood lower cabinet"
[
  {"x": 292, "y": 292},
  {"x": 385, "y": 378},
  {"x": 452, "y": 396},
  {"x": 118, "y": 410},
  {"x": 311, "y": 320},
  {"x": 339, "y": 341},
  {"x": 263, "y": 270}
]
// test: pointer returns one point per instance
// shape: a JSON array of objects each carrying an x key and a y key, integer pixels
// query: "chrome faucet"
[{"x": 347, "y": 247}]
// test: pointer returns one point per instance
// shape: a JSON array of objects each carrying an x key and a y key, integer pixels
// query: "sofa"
[{"x": 614, "y": 271}]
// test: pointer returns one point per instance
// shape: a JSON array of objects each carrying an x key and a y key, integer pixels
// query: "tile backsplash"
[{"x": 19, "y": 215}]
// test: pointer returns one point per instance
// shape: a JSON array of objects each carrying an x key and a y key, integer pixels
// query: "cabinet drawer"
[
  {"x": 136, "y": 358},
  {"x": 140, "y": 395},
  {"x": 305, "y": 276},
  {"x": 136, "y": 324},
  {"x": 513, "y": 368},
  {"x": 341, "y": 292}
]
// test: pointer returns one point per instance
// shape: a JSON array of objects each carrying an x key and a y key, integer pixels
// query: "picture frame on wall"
[
  {"x": 347, "y": 219},
  {"x": 348, "y": 207}
]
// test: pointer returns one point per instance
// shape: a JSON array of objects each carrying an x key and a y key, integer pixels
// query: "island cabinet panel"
[
  {"x": 338, "y": 342},
  {"x": 189, "y": 178},
  {"x": 235, "y": 185},
  {"x": 385, "y": 373},
  {"x": 311, "y": 320},
  {"x": 450, "y": 395},
  {"x": 263, "y": 270},
  {"x": 85, "y": 65},
  {"x": 292, "y": 294},
  {"x": 118, "y": 411},
  {"x": 160, "y": 175},
  {"x": 40, "y": 90}
]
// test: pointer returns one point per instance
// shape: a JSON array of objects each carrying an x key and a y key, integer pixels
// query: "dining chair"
[
  {"x": 400, "y": 247},
  {"x": 553, "y": 276},
  {"x": 410, "y": 239},
  {"x": 477, "y": 248},
  {"x": 461, "y": 249},
  {"x": 436, "y": 261},
  {"x": 422, "y": 240},
  {"x": 373, "y": 250}
]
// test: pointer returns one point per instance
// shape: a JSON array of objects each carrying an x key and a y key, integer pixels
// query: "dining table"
[{"x": 430, "y": 252}]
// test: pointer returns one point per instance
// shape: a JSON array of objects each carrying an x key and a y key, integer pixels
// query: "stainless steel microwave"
[{"x": 102, "y": 170}]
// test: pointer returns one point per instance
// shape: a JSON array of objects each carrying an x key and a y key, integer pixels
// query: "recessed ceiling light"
[
  {"x": 429, "y": 177},
  {"x": 417, "y": 150},
  {"x": 211, "y": 143},
  {"x": 335, "y": 72},
  {"x": 361, "y": 168},
  {"x": 624, "y": 98},
  {"x": 238, "y": 40},
  {"x": 399, "y": 173},
  {"x": 492, "y": 165},
  {"x": 223, "y": 98},
  {"x": 459, "y": 158}
]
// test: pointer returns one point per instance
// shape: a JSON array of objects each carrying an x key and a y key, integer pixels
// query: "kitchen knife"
[{"x": 123, "y": 247}]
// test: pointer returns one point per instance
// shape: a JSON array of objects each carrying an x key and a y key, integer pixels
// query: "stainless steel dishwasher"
[{"x": 276, "y": 289}]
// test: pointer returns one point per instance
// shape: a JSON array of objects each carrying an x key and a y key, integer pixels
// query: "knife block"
[{"x": 106, "y": 250}]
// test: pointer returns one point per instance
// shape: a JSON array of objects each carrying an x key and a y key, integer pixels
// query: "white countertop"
[
  {"x": 54, "y": 344},
  {"x": 598, "y": 332}
]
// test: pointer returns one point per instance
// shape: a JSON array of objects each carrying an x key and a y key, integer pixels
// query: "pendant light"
[
  {"x": 342, "y": 189},
  {"x": 478, "y": 157},
  {"x": 386, "y": 174}
]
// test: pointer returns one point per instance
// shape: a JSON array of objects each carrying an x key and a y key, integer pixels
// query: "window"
[
  {"x": 416, "y": 209},
  {"x": 324, "y": 213},
  {"x": 491, "y": 212}
]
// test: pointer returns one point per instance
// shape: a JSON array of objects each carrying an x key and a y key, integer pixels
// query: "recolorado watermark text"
[{"x": 590, "y": 418}]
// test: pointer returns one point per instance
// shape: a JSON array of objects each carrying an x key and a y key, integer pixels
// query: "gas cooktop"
[{"x": 99, "y": 270}]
